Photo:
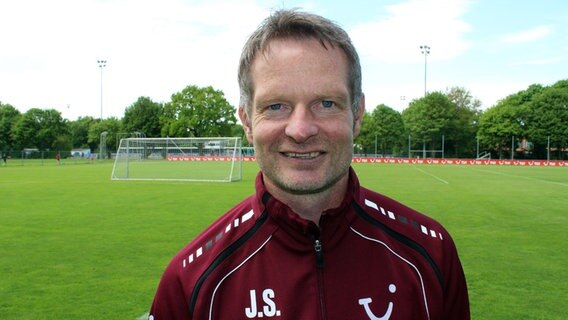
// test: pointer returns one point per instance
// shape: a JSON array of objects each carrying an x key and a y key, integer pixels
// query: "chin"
[{"x": 306, "y": 184}]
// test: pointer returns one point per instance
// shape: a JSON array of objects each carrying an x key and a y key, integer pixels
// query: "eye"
[
  {"x": 276, "y": 110},
  {"x": 275, "y": 106},
  {"x": 327, "y": 104}
]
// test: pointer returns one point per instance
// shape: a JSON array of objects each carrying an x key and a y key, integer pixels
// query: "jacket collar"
[{"x": 292, "y": 222}]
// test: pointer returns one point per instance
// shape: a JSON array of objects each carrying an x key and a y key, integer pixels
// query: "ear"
[
  {"x": 359, "y": 117},
  {"x": 247, "y": 126}
]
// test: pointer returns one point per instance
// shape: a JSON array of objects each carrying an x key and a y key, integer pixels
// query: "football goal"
[{"x": 181, "y": 159}]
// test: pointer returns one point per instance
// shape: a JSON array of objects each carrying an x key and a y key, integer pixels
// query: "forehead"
[
  {"x": 288, "y": 64},
  {"x": 298, "y": 50}
]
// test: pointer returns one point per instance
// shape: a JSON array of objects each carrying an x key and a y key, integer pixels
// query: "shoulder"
[
  {"x": 221, "y": 233},
  {"x": 412, "y": 231},
  {"x": 407, "y": 224},
  {"x": 194, "y": 259},
  {"x": 182, "y": 276},
  {"x": 400, "y": 217}
]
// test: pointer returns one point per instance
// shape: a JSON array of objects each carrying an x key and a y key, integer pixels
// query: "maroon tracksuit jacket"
[{"x": 371, "y": 258}]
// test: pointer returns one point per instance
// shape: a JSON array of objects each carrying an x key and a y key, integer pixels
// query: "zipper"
[
  {"x": 319, "y": 253},
  {"x": 319, "y": 265}
]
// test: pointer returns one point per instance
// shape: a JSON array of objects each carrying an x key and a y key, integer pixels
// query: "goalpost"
[
  {"x": 217, "y": 159},
  {"x": 423, "y": 153}
]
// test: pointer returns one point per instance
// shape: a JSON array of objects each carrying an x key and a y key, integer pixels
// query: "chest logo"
[
  {"x": 365, "y": 302},
  {"x": 268, "y": 308}
]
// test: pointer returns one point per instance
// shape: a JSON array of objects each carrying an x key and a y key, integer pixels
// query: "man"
[{"x": 311, "y": 243}]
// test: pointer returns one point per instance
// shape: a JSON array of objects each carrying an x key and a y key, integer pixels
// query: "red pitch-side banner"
[
  {"x": 435, "y": 161},
  {"x": 199, "y": 158}
]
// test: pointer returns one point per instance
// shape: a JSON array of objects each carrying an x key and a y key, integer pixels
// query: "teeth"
[{"x": 308, "y": 155}]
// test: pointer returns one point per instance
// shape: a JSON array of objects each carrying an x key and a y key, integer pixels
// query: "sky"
[{"x": 49, "y": 49}]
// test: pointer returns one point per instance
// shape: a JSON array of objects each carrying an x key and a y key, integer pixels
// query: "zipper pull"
[{"x": 319, "y": 253}]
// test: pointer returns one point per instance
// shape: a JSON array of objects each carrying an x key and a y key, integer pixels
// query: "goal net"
[{"x": 181, "y": 159}]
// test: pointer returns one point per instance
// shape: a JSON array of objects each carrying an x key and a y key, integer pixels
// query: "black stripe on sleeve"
[
  {"x": 225, "y": 254},
  {"x": 403, "y": 239}
]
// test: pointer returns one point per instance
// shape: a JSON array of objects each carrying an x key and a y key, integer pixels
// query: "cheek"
[
  {"x": 257, "y": 137},
  {"x": 340, "y": 131},
  {"x": 266, "y": 131}
]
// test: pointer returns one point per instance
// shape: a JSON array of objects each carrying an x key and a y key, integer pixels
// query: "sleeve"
[
  {"x": 170, "y": 301},
  {"x": 456, "y": 300}
]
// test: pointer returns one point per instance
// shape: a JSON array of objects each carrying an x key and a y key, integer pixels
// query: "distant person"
[
  {"x": 4, "y": 158},
  {"x": 311, "y": 243},
  {"x": 58, "y": 158}
]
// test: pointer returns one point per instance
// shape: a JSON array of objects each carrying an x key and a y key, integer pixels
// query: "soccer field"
[
  {"x": 213, "y": 171},
  {"x": 76, "y": 245}
]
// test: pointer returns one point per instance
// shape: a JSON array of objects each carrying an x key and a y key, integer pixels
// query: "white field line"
[
  {"x": 523, "y": 177},
  {"x": 431, "y": 175},
  {"x": 143, "y": 317}
]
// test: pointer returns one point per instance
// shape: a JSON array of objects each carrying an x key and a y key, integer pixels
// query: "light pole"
[
  {"x": 102, "y": 64},
  {"x": 425, "y": 51}
]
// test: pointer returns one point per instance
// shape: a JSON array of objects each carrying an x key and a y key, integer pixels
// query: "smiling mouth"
[{"x": 308, "y": 155}]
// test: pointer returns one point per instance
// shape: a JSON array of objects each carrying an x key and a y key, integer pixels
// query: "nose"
[{"x": 301, "y": 124}]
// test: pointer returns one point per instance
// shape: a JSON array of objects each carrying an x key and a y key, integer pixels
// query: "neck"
[{"x": 312, "y": 206}]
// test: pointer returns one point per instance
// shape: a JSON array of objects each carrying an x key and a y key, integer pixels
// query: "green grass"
[
  {"x": 176, "y": 170},
  {"x": 76, "y": 245}
]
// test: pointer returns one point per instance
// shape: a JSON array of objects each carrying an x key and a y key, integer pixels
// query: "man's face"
[{"x": 301, "y": 122}]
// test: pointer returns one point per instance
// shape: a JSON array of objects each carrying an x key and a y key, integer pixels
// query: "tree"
[
  {"x": 547, "y": 118},
  {"x": 8, "y": 117},
  {"x": 26, "y": 128},
  {"x": 112, "y": 126},
  {"x": 79, "y": 131},
  {"x": 143, "y": 116},
  {"x": 389, "y": 131},
  {"x": 429, "y": 118},
  {"x": 54, "y": 132},
  {"x": 41, "y": 129},
  {"x": 467, "y": 110},
  {"x": 198, "y": 112},
  {"x": 499, "y": 124},
  {"x": 365, "y": 142},
  {"x": 462, "y": 98}
]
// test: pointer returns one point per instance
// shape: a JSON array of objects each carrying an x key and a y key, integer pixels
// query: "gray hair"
[{"x": 298, "y": 25}]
